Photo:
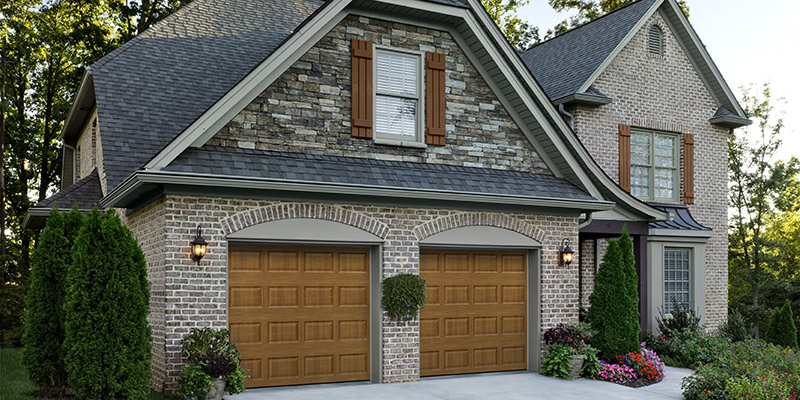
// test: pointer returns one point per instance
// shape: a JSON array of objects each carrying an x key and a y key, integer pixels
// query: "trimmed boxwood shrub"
[
  {"x": 43, "y": 354},
  {"x": 107, "y": 335},
  {"x": 781, "y": 330},
  {"x": 614, "y": 311},
  {"x": 403, "y": 296}
]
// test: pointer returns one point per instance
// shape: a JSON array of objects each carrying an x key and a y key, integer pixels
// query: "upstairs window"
[
  {"x": 655, "y": 41},
  {"x": 398, "y": 89},
  {"x": 654, "y": 166}
]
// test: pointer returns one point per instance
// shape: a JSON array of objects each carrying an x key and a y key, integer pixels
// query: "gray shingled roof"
[
  {"x": 153, "y": 87},
  {"x": 84, "y": 194},
  {"x": 681, "y": 218},
  {"x": 562, "y": 64},
  {"x": 376, "y": 173}
]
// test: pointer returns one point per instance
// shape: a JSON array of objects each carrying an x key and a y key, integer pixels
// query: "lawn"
[{"x": 15, "y": 384}]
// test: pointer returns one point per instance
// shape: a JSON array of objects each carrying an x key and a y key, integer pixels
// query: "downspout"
[{"x": 569, "y": 117}]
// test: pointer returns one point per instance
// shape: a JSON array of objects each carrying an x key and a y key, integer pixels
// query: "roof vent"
[{"x": 655, "y": 41}]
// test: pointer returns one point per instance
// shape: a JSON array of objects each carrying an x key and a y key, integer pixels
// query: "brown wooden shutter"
[
  {"x": 688, "y": 168},
  {"x": 625, "y": 157},
  {"x": 434, "y": 99},
  {"x": 361, "y": 91}
]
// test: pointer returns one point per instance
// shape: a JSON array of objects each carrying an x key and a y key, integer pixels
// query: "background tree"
[
  {"x": 107, "y": 302},
  {"x": 781, "y": 326},
  {"x": 756, "y": 183},
  {"x": 43, "y": 354},
  {"x": 518, "y": 32}
]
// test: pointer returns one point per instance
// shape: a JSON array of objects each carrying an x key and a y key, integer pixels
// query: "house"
[{"x": 321, "y": 146}]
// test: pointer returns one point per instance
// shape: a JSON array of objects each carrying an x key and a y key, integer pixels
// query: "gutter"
[{"x": 125, "y": 190}]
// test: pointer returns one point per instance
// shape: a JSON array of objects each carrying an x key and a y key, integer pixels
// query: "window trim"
[
  {"x": 692, "y": 283},
  {"x": 676, "y": 178},
  {"x": 400, "y": 140}
]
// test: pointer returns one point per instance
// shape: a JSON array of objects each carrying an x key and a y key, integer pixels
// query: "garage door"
[
  {"x": 300, "y": 315},
  {"x": 476, "y": 314}
]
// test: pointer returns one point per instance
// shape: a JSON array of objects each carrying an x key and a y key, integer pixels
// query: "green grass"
[{"x": 15, "y": 385}]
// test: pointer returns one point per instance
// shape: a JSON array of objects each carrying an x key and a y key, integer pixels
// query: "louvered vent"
[{"x": 655, "y": 41}]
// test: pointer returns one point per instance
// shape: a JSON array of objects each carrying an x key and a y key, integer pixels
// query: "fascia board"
[
  {"x": 547, "y": 105},
  {"x": 583, "y": 99},
  {"x": 730, "y": 122},
  {"x": 132, "y": 184},
  {"x": 674, "y": 8},
  {"x": 613, "y": 55},
  {"x": 236, "y": 99},
  {"x": 86, "y": 85}
]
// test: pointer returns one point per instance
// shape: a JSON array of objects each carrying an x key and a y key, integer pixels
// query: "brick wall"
[
  {"x": 307, "y": 110},
  {"x": 195, "y": 296},
  {"x": 666, "y": 93},
  {"x": 149, "y": 227},
  {"x": 588, "y": 268}
]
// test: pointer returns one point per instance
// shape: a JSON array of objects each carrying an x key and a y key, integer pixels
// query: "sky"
[{"x": 750, "y": 42}]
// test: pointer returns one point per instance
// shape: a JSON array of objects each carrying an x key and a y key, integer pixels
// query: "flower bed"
[{"x": 635, "y": 369}]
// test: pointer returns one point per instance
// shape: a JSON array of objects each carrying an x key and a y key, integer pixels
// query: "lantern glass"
[{"x": 568, "y": 257}]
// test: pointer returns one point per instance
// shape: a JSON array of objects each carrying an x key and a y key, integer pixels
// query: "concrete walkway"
[{"x": 514, "y": 385}]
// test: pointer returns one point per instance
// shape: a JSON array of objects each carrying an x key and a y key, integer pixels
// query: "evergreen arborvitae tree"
[
  {"x": 613, "y": 313},
  {"x": 631, "y": 311},
  {"x": 43, "y": 354},
  {"x": 781, "y": 326},
  {"x": 107, "y": 334}
]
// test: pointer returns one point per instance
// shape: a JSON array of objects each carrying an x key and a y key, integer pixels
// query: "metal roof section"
[
  {"x": 682, "y": 221},
  {"x": 728, "y": 119}
]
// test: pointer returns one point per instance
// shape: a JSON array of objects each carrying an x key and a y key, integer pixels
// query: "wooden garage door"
[
  {"x": 476, "y": 314},
  {"x": 300, "y": 314}
]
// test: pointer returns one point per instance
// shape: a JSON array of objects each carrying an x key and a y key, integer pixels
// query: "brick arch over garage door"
[
  {"x": 297, "y": 210},
  {"x": 477, "y": 219}
]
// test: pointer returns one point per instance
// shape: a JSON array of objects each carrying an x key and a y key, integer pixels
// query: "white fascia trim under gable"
[
  {"x": 236, "y": 99},
  {"x": 547, "y": 105},
  {"x": 613, "y": 55}
]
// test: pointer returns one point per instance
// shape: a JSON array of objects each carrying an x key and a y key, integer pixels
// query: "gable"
[{"x": 308, "y": 108}]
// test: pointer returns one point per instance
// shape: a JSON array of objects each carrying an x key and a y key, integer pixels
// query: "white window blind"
[{"x": 397, "y": 94}]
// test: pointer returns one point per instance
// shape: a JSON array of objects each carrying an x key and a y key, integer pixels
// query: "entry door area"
[
  {"x": 300, "y": 315},
  {"x": 476, "y": 316}
]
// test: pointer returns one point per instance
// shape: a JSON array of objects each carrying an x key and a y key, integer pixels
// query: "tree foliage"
[
  {"x": 614, "y": 310},
  {"x": 107, "y": 302},
  {"x": 45, "y": 47},
  {"x": 43, "y": 354},
  {"x": 782, "y": 331},
  {"x": 757, "y": 184},
  {"x": 518, "y": 32}
]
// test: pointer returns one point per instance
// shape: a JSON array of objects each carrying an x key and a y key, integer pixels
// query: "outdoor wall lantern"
[
  {"x": 198, "y": 247},
  {"x": 565, "y": 254}
]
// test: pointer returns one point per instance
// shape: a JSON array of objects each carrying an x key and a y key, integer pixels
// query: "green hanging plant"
[{"x": 403, "y": 296}]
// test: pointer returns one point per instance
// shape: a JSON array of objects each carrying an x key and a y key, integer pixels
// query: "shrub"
[
  {"x": 557, "y": 361},
  {"x": 770, "y": 386},
  {"x": 781, "y": 330},
  {"x": 107, "y": 335},
  {"x": 403, "y": 296},
  {"x": 591, "y": 363},
  {"x": 211, "y": 355},
  {"x": 614, "y": 311},
  {"x": 682, "y": 319},
  {"x": 686, "y": 350},
  {"x": 43, "y": 337},
  {"x": 736, "y": 328}
]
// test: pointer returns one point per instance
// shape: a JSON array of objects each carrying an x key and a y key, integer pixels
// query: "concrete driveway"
[{"x": 514, "y": 385}]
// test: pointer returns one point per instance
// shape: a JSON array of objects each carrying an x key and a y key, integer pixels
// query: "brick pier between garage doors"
[{"x": 290, "y": 281}]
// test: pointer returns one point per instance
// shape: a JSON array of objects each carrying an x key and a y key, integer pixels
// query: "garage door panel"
[
  {"x": 300, "y": 315},
  {"x": 475, "y": 317}
]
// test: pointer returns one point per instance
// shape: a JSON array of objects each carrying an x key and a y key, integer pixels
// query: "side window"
[
  {"x": 654, "y": 166},
  {"x": 398, "y": 92},
  {"x": 677, "y": 277}
]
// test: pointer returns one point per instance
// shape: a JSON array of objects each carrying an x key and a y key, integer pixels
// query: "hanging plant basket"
[{"x": 403, "y": 296}]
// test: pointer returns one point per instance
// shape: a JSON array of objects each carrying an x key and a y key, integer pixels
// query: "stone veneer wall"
[
  {"x": 149, "y": 227},
  {"x": 196, "y": 295},
  {"x": 307, "y": 110},
  {"x": 666, "y": 93}
]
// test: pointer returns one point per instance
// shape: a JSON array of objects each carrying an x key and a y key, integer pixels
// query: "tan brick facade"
[
  {"x": 195, "y": 296},
  {"x": 666, "y": 94}
]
